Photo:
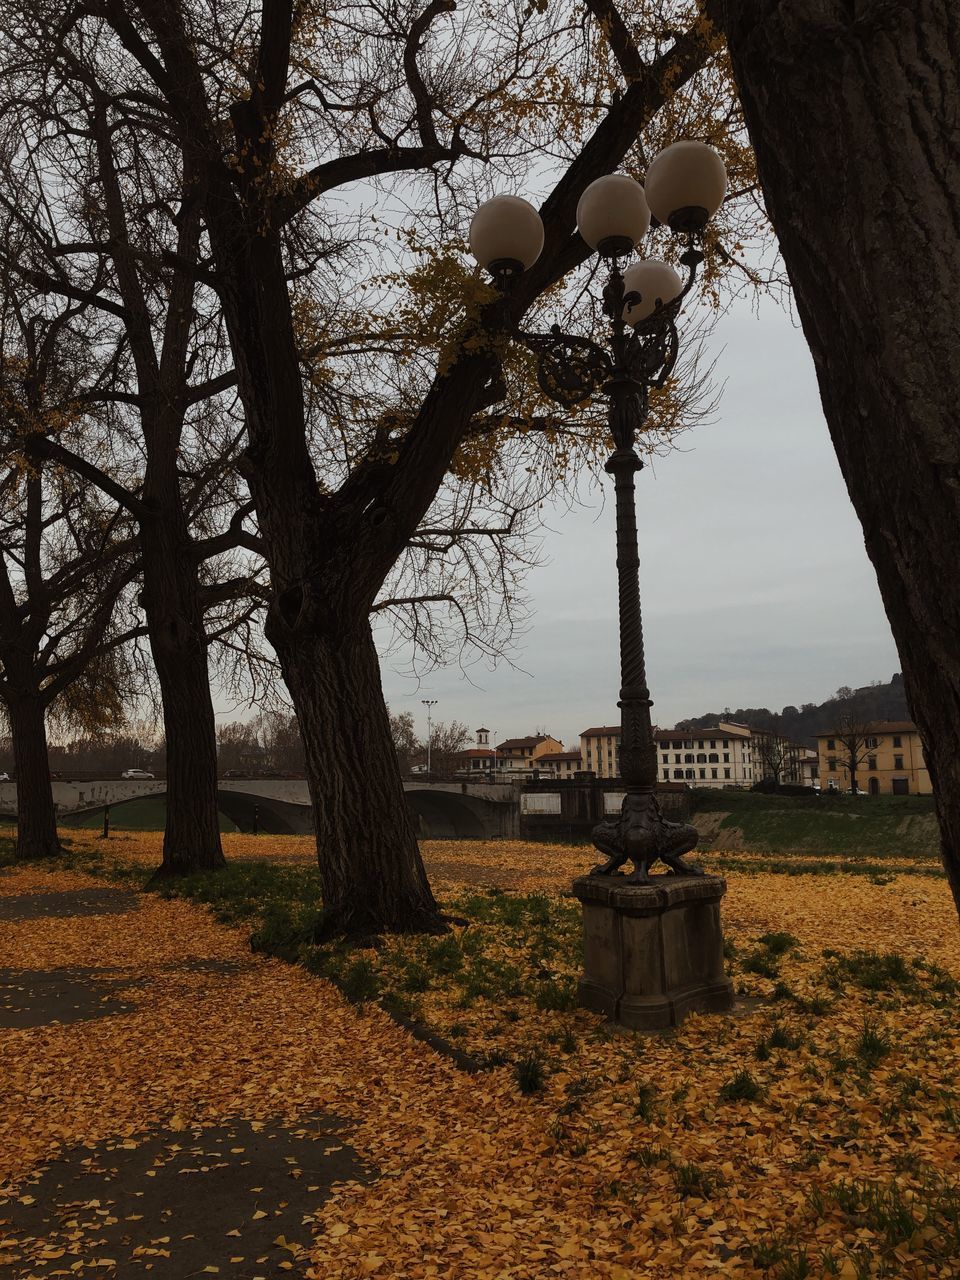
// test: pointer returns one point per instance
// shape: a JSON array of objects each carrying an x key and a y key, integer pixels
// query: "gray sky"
[{"x": 755, "y": 584}]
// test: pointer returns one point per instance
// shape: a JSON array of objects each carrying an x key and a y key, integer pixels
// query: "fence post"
[
  {"x": 106, "y": 822},
  {"x": 256, "y": 819}
]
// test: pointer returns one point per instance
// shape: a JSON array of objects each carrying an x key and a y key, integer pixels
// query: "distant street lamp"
[
  {"x": 429, "y": 703},
  {"x": 685, "y": 185}
]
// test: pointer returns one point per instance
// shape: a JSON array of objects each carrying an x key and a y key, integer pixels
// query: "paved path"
[{"x": 186, "y": 1198}]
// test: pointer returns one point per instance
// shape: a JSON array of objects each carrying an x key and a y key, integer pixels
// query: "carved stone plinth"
[{"x": 653, "y": 952}]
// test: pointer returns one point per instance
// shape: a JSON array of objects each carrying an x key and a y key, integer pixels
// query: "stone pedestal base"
[{"x": 652, "y": 953}]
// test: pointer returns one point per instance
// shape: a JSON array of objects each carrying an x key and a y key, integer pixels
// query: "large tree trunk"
[
  {"x": 191, "y": 838},
  {"x": 370, "y": 866},
  {"x": 852, "y": 110},
  {"x": 36, "y": 813},
  {"x": 324, "y": 577}
]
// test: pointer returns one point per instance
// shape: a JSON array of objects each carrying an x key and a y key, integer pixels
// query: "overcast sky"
[{"x": 755, "y": 585}]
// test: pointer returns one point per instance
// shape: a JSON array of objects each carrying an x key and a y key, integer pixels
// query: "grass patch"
[
  {"x": 872, "y": 1044},
  {"x": 529, "y": 1073},
  {"x": 742, "y": 1088}
]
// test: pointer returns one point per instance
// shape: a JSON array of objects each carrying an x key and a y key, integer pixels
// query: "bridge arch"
[{"x": 446, "y": 815}]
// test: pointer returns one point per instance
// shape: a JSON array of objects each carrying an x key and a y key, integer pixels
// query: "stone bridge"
[
  {"x": 543, "y": 810},
  {"x": 444, "y": 810}
]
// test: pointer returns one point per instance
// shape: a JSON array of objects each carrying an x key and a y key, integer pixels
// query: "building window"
[
  {"x": 831, "y": 745},
  {"x": 688, "y": 759},
  {"x": 713, "y": 773},
  {"x": 676, "y": 759},
  {"x": 872, "y": 744},
  {"x": 713, "y": 742},
  {"x": 832, "y": 764},
  {"x": 898, "y": 762},
  {"x": 703, "y": 773},
  {"x": 690, "y": 773},
  {"x": 666, "y": 774},
  {"x": 678, "y": 773},
  {"x": 714, "y": 758},
  {"x": 701, "y": 757},
  {"x": 700, "y": 744},
  {"x": 726, "y": 773},
  {"x": 726, "y": 743},
  {"x": 896, "y": 740},
  {"x": 726, "y": 757},
  {"x": 872, "y": 762},
  {"x": 666, "y": 759}
]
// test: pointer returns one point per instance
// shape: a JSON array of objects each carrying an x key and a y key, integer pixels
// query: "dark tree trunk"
[
  {"x": 370, "y": 866},
  {"x": 36, "y": 813},
  {"x": 326, "y": 565},
  {"x": 865, "y": 199},
  {"x": 171, "y": 602}
]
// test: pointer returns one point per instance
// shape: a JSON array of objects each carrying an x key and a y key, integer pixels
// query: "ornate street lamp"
[{"x": 685, "y": 185}]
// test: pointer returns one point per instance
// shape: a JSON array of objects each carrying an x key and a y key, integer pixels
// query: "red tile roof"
[{"x": 875, "y": 727}]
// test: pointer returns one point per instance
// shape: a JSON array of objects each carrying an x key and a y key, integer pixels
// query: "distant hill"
[{"x": 877, "y": 701}]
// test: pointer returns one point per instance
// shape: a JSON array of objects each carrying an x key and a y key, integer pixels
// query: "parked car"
[{"x": 129, "y": 774}]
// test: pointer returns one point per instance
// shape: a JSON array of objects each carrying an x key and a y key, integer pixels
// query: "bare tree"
[
  {"x": 856, "y": 741},
  {"x": 81, "y": 204},
  {"x": 67, "y": 563},
  {"x": 446, "y": 739},
  {"x": 355, "y": 417},
  {"x": 403, "y": 730}
]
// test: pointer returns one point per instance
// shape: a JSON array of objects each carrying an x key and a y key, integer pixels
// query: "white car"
[
  {"x": 128, "y": 774},
  {"x": 4, "y": 777}
]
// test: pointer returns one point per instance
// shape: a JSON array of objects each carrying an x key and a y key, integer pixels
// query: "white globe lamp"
[
  {"x": 657, "y": 284},
  {"x": 506, "y": 236},
  {"x": 685, "y": 185},
  {"x": 613, "y": 215}
]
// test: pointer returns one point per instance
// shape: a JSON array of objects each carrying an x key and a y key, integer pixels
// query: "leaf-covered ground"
[{"x": 812, "y": 1133}]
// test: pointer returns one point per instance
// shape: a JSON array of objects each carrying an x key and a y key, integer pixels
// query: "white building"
[{"x": 720, "y": 756}]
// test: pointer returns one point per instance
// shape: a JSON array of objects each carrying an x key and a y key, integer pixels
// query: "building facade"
[
  {"x": 719, "y": 756},
  {"x": 600, "y": 750},
  {"x": 890, "y": 759},
  {"x": 523, "y": 755},
  {"x": 560, "y": 764}
]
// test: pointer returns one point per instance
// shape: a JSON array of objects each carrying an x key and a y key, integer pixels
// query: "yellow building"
[
  {"x": 525, "y": 754},
  {"x": 889, "y": 759},
  {"x": 600, "y": 750}
]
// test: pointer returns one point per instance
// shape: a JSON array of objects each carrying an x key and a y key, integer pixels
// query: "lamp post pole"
[
  {"x": 685, "y": 185},
  {"x": 429, "y": 703},
  {"x": 652, "y": 952}
]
